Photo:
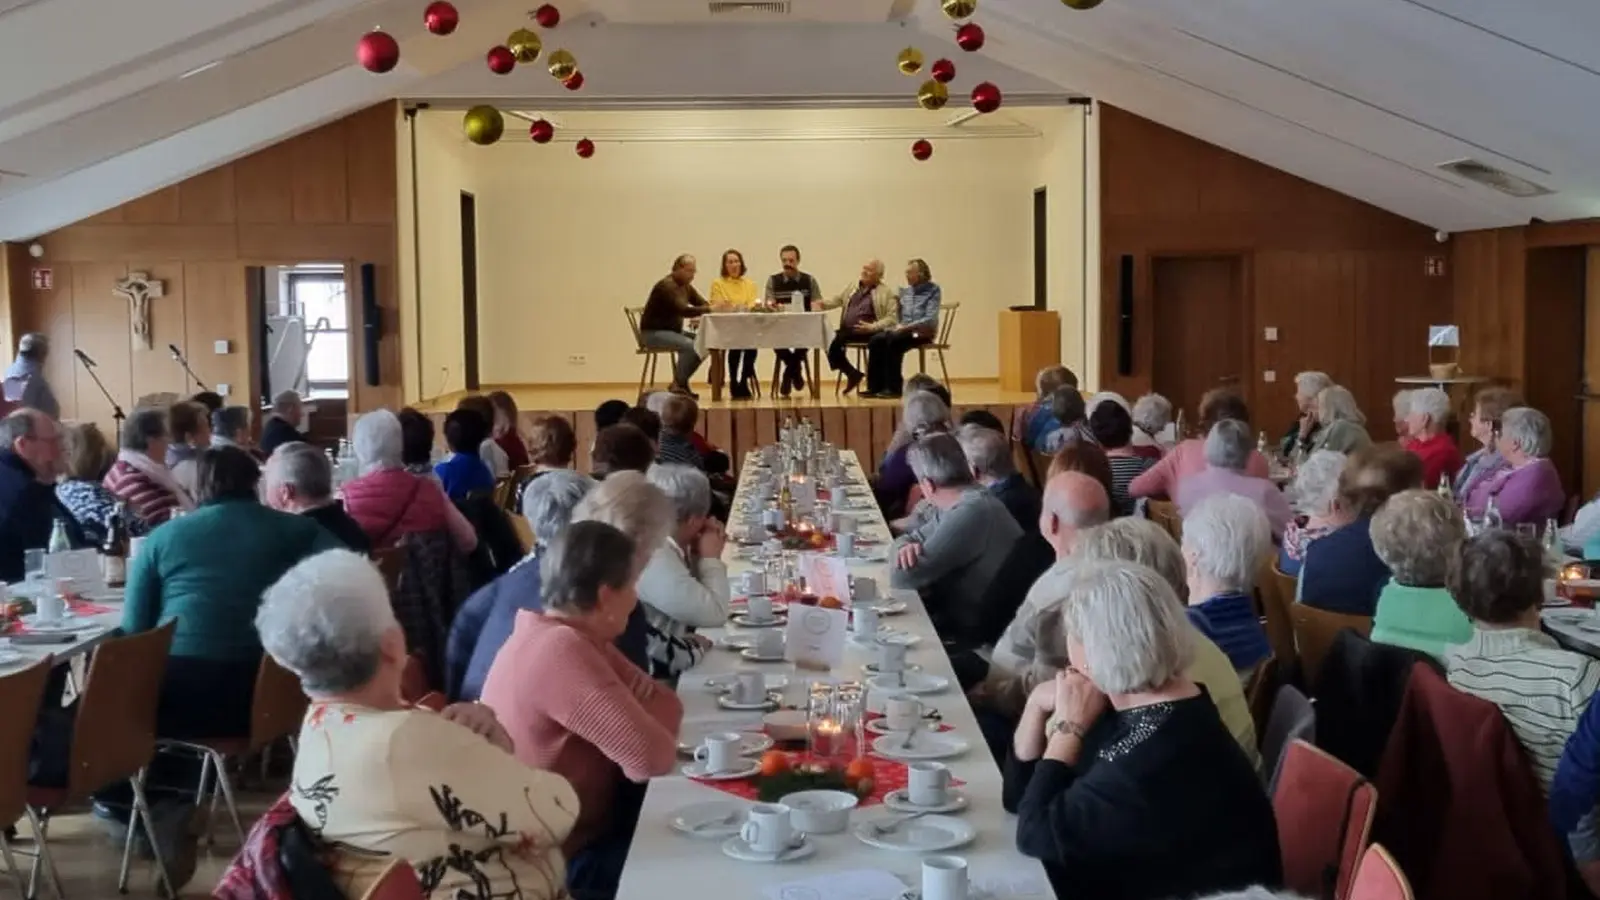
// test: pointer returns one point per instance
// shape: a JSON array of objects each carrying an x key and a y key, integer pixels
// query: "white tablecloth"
[
  {"x": 665, "y": 865},
  {"x": 97, "y": 629},
  {"x": 747, "y": 330}
]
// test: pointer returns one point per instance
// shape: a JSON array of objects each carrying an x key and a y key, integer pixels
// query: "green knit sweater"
[{"x": 1421, "y": 618}]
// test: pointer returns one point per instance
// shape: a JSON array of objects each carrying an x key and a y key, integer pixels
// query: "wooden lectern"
[{"x": 1030, "y": 339}]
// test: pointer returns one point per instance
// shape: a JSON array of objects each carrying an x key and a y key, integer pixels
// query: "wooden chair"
[
  {"x": 777, "y": 372},
  {"x": 857, "y": 350},
  {"x": 113, "y": 739},
  {"x": 397, "y": 882},
  {"x": 21, "y": 694},
  {"x": 1260, "y": 693},
  {"x": 1165, "y": 514},
  {"x": 648, "y": 372},
  {"x": 503, "y": 491},
  {"x": 1378, "y": 877},
  {"x": 1324, "y": 810},
  {"x": 1040, "y": 462},
  {"x": 1022, "y": 458},
  {"x": 524, "y": 530},
  {"x": 941, "y": 340},
  {"x": 1277, "y": 591},
  {"x": 1314, "y": 631}
]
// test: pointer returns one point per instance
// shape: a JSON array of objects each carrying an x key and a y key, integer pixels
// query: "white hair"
[
  {"x": 987, "y": 451},
  {"x": 1135, "y": 540},
  {"x": 1336, "y": 404},
  {"x": 657, "y": 401},
  {"x": 939, "y": 460},
  {"x": 1104, "y": 397},
  {"x": 1152, "y": 413},
  {"x": 1402, "y": 403},
  {"x": 1528, "y": 430},
  {"x": 1431, "y": 402},
  {"x": 1228, "y": 445},
  {"x": 1416, "y": 534},
  {"x": 377, "y": 441},
  {"x": 285, "y": 402},
  {"x": 325, "y": 619},
  {"x": 1316, "y": 483},
  {"x": 1228, "y": 536},
  {"x": 687, "y": 488},
  {"x": 1310, "y": 384},
  {"x": 1132, "y": 628},
  {"x": 628, "y": 502},
  {"x": 548, "y": 502},
  {"x": 923, "y": 410}
]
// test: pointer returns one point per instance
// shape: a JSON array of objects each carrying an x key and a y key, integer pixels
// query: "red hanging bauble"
[
  {"x": 441, "y": 18},
  {"x": 541, "y": 131},
  {"x": 585, "y": 148},
  {"x": 943, "y": 71},
  {"x": 969, "y": 37},
  {"x": 547, "y": 16},
  {"x": 501, "y": 60},
  {"x": 921, "y": 150},
  {"x": 573, "y": 82},
  {"x": 986, "y": 97},
  {"x": 377, "y": 52}
]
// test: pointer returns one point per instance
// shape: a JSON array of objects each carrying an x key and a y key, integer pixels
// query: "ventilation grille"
[
  {"x": 1489, "y": 176},
  {"x": 732, "y": 7}
]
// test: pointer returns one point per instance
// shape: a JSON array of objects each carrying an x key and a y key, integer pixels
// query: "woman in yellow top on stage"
[{"x": 733, "y": 292}]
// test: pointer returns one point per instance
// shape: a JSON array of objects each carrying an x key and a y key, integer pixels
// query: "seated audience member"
[
  {"x": 628, "y": 502},
  {"x": 507, "y": 431},
  {"x": 610, "y": 413},
  {"x": 1497, "y": 578},
  {"x": 1314, "y": 496},
  {"x": 552, "y": 447},
  {"x": 1152, "y": 419},
  {"x": 189, "y": 427},
  {"x": 1188, "y": 456},
  {"x": 211, "y": 400},
  {"x": 1427, "y": 415},
  {"x": 646, "y": 420},
  {"x": 1575, "y": 796},
  {"x": 1528, "y": 490},
  {"x": 140, "y": 477},
  {"x": 1118, "y": 811},
  {"x": 230, "y": 427},
  {"x": 463, "y": 472},
  {"x": 917, "y": 323},
  {"x": 671, "y": 300},
  {"x": 1402, "y": 413},
  {"x": 684, "y": 586},
  {"x": 951, "y": 558},
  {"x": 86, "y": 457},
  {"x": 621, "y": 448},
  {"x": 298, "y": 478},
  {"x": 922, "y": 414},
  {"x": 1228, "y": 451},
  {"x": 610, "y": 722},
  {"x": 1086, "y": 458},
  {"x": 1341, "y": 572},
  {"x": 866, "y": 308},
  {"x": 494, "y": 458},
  {"x": 1581, "y": 537},
  {"x": 1112, "y": 428},
  {"x": 371, "y": 772},
  {"x": 30, "y": 455},
  {"x": 1340, "y": 424},
  {"x": 678, "y": 418},
  {"x": 416, "y": 443},
  {"x": 922, "y": 381},
  {"x": 389, "y": 500},
  {"x": 1224, "y": 539},
  {"x": 1067, "y": 408},
  {"x": 983, "y": 419},
  {"x": 1038, "y": 419},
  {"x": 485, "y": 620},
  {"x": 989, "y": 456},
  {"x": 284, "y": 422},
  {"x": 1484, "y": 425},
  {"x": 1416, "y": 534},
  {"x": 1307, "y": 385}
]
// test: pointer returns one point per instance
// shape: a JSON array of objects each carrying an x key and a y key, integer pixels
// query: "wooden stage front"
[{"x": 738, "y": 426}]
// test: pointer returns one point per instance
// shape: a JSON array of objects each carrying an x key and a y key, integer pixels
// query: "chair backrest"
[
  {"x": 1270, "y": 588},
  {"x": 1293, "y": 719},
  {"x": 502, "y": 492},
  {"x": 947, "y": 321},
  {"x": 1324, "y": 810},
  {"x": 1040, "y": 461},
  {"x": 391, "y": 562},
  {"x": 1022, "y": 459},
  {"x": 1165, "y": 514},
  {"x": 1261, "y": 693},
  {"x": 633, "y": 313},
  {"x": 1378, "y": 877},
  {"x": 397, "y": 882},
  {"x": 278, "y": 705},
  {"x": 1314, "y": 631},
  {"x": 114, "y": 732},
  {"x": 20, "y": 695},
  {"x": 524, "y": 530}
]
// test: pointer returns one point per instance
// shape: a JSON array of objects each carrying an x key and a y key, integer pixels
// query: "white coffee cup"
[
  {"x": 902, "y": 712},
  {"x": 755, "y": 582},
  {"x": 49, "y": 606},
  {"x": 758, "y": 607},
  {"x": 864, "y": 589},
  {"x": 768, "y": 829},
  {"x": 720, "y": 752},
  {"x": 773, "y": 518},
  {"x": 864, "y": 621},
  {"x": 844, "y": 523},
  {"x": 927, "y": 783},
  {"x": 944, "y": 878},
  {"x": 891, "y": 657},
  {"x": 845, "y": 544},
  {"x": 749, "y": 687},
  {"x": 769, "y": 643}
]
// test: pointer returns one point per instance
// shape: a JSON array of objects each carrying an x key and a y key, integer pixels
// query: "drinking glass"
[{"x": 33, "y": 565}]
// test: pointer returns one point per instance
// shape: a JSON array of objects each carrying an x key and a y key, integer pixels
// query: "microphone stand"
[
  {"x": 177, "y": 355},
  {"x": 117, "y": 415}
]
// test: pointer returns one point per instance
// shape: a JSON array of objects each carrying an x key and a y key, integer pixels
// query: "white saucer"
[
  {"x": 63, "y": 625},
  {"x": 909, "y": 682},
  {"x": 11, "y": 658},
  {"x": 955, "y": 800},
  {"x": 726, "y": 702},
  {"x": 753, "y": 743},
  {"x": 885, "y": 607},
  {"x": 720, "y": 819},
  {"x": 735, "y": 641},
  {"x": 871, "y": 668},
  {"x": 880, "y": 725},
  {"x": 924, "y": 745},
  {"x": 751, "y": 654},
  {"x": 724, "y": 683},
  {"x": 697, "y": 770},
  {"x": 927, "y": 834},
  {"x": 747, "y": 622},
  {"x": 738, "y": 849},
  {"x": 887, "y": 635}
]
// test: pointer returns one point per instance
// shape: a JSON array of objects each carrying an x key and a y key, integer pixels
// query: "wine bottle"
[{"x": 114, "y": 551}]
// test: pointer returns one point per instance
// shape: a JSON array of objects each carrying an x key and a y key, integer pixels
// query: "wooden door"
[{"x": 1197, "y": 305}]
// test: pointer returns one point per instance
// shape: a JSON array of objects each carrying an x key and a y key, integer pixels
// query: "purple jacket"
[
  {"x": 1529, "y": 493},
  {"x": 1262, "y": 492}
]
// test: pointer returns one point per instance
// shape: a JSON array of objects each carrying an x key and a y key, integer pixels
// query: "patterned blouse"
[{"x": 92, "y": 505}]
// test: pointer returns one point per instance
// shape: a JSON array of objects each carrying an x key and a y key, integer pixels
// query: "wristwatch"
[{"x": 1061, "y": 726}]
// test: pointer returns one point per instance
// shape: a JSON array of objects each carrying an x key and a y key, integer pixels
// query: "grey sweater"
[{"x": 963, "y": 547}]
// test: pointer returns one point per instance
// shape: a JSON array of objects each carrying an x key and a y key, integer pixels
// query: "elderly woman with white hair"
[
  {"x": 1228, "y": 454},
  {"x": 377, "y": 780},
  {"x": 1307, "y": 385},
  {"x": 1340, "y": 424},
  {"x": 1528, "y": 490},
  {"x": 1152, "y": 417},
  {"x": 1104, "y": 764},
  {"x": 1314, "y": 496},
  {"x": 484, "y": 622},
  {"x": 922, "y": 414},
  {"x": 1427, "y": 416},
  {"x": 391, "y": 502},
  {"x": 1402, "y": 413},
  {"x": 1416, "y": 533},
  {"x": 1224, "y": 540},
  {"x": 684, "y": 586},
  {"x": 989, "y": 454}
]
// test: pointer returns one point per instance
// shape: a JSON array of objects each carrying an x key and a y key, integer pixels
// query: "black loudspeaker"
[
  {"x": 371, "y": 320},
  {"x": 1125, "y": 315}
]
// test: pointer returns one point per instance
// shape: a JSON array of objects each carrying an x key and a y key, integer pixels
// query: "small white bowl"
[{"x": 820, "y": 812}]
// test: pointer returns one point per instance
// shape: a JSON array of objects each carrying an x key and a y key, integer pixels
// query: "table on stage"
[
  {"x": 665, "y": 865},
  {"x": 722, "y": 331}
]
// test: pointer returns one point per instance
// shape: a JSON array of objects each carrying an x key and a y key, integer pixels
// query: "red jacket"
[
  {"x": 1458, "y": 805},
  {"x": 146, "y": 498},
  {"x": 1440, "y": 458},
  {"x": 392, "y": 503}
]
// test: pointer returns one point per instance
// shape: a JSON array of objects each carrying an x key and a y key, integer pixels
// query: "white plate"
[
  {"x": 955, "y": 800},
  {"x": 928, "y": 834},
  {"x": 751, "y": 654},
  {"x": 885, "y": 607},
  {"x": 741, "y": 609},
  {"x": 720, "y": 819},
  {"x": 880, "y": 725},
  {"x": 748, "y": 622},
  {"x": 11, "y": 658},
  {"x": 735, "y": 641},
  {"x": 910, "y": 682},
  {"x": 924, "y": 745},
  {"x": 67, "y": 624},
  {"x": 725, "y": 682},
  {"x": 753, "y": 743},
  {"x": 887, "y": 635},
  {"x": 871, "y": 668},
  {"x": 738, "y": 849},
  {"x": 728, "y": 703},
  {"x": 697, "y": 770}
]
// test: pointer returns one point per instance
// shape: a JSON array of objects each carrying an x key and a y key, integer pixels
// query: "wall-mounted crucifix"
[{"x": 139, "y": 289}]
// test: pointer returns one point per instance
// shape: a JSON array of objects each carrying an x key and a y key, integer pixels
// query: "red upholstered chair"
[
  {"x": 1379, "y": 877},
  {"x": 1324, "y": 810},
  {"x": 398, "y": 882}
]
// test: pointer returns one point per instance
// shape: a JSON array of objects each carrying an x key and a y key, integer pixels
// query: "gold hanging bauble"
[
  {"x": 483, "y": 125},
  {"x": 525, "y": 45},
  {"x": 932, "y": 95},
  {"x": 1081, "y": 4},
  {"x": 562, "y": 64},
  {"x": 960, "y": 9},
  {"x": 909, "y": 61}
]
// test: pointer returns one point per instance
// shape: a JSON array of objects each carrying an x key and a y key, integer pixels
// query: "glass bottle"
[
  {"x": 1443, "y": 489},
  {"x": 114, "y": 551},
  {"x": 1491, "y": 516},
  {"x": 58, "y": 538},
  {"x": 1261, "y": 443}
]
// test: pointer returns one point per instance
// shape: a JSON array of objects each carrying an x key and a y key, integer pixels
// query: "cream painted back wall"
[
  {"x": 565, "y": 243},
  {"x": 446, "y": 167}
]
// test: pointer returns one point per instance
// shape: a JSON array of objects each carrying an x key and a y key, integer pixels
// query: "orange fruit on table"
[
  {"x": 859, "y": 770},
  {"x": 830, "y": 602},
  {"x": 774, "y": 762}
]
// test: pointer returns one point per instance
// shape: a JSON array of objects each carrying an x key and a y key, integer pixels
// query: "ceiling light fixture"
[{"x": 202, "y": 68}]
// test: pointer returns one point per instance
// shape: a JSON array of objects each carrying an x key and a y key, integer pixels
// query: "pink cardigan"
[
  {"x": 1188, "y": 458},
  {"x": 392, "y": 503}
]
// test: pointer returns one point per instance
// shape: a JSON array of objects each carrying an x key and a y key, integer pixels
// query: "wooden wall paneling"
[
  {"x": 290, "y": 243},
  {"x": 583, "y": 428},
  {"x": 215, "y": 308},
  {"x": 1556, "y": 287},
  {"x": 767, "y": 426},
  {"x": 744, "y": 434},
  {"x": 153, "y": 370},
  {"x": 717, "y": 424},
  {"x": 15, "y": 291},
  {"x": 101, "y": 328},
  {"x": 1590, "y": 483},
  {"x": 159, "y": 208},
  {"x": 261, "y": 186},
  {"x": 370, "y": 166},
  {"x": 858, "y": 436},
  {"x": 833, "y": 427},
  {"x": 207, "y": 198},
  {"x": 1488, "y": 289},
  {"x": 883, "y": 424},
  {"x": 318, "y": 163},
  {"x": 50, "y": 313},
  {"x": 141, "y": 244}
]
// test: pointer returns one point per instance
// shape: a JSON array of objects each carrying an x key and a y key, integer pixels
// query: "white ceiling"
[{"x": 1365, "y": 96}]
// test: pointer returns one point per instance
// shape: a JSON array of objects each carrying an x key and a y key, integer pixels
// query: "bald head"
[
  {"x": 872, "y": 273},
  {"x": 684, "y": 269},
  {"x": 1072, "y": 502}
]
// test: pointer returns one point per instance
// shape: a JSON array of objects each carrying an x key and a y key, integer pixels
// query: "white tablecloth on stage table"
[
  {"x": 665, "y": 865},
  {"x": 746, "y": 331}
]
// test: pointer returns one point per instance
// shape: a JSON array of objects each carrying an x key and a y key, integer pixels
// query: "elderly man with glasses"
[{"x": 30, "y": 460}]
